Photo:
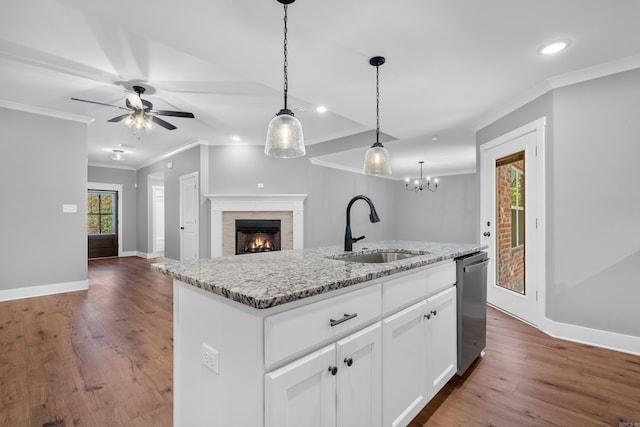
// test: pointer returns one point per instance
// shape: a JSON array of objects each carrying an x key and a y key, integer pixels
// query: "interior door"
[
  {"x": 511, "y": 213},
  {"x": 189, "y": 209}
]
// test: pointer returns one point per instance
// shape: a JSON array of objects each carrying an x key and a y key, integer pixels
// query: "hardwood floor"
[
  {"x": 103, "y": 357},
  {"x": 530, "y": 379}
]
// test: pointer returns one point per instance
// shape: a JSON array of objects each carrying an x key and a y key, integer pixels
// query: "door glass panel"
[
  {"x": 510, "y": 218},
  {"x": 101, "y": 212}
]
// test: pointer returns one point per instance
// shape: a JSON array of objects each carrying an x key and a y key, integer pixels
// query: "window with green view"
[{"x": 101, "y": 210}]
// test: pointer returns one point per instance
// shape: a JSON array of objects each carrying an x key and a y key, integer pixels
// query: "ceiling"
[{"x": 451, "y": 65}]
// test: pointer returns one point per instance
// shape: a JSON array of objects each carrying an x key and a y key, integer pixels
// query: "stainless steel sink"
[{"x": 379, "y": 257}]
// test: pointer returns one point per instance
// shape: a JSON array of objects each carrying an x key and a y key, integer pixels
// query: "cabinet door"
[
  {"x": 442, "y": 357},
  {"x": 359, "y": 379},
  {"x": 302, "y": 393},
  {"x": 404, "y": 391}
]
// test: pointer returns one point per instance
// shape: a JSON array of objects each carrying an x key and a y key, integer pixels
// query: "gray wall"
[
  {"x": 448, "y": 215},
  {"x": 330, "y": 191},
  {"x": 592, "y": 205},
  {"x": 596, "y": 205},
  {"x": 183, "y": 163},
  {"x": 127, "y": 178},
  {"x": 43, "y": 166}
]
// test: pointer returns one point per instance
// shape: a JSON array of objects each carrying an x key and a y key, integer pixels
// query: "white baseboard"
[
  {"x": 596, "y": 337},
  {"x": 40, "y": 290},
  {"x": 129, "y": 253},
  {"x": 145, "y": 255}
]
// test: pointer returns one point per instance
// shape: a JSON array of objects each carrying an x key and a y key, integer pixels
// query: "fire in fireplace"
[{"x": 257, "y": 235}]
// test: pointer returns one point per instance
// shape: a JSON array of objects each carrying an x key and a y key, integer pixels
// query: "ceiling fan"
[{"x": 140, "y": 111}]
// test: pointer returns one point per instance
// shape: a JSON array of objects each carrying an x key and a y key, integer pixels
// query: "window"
[
  {"x": 101, "y": 212},
  {"x": 517, "y": 207}
]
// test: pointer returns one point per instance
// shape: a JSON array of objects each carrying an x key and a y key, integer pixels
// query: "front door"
[
  {"x": 189, "y": 206},
  {"x": 102, "y": 223},
  {"x": 512, "y": 199}
]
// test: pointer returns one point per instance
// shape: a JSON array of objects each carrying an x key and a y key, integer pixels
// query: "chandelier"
[{"x": 421, "y": 183}]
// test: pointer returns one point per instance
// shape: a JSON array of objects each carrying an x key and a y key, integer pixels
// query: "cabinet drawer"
[
  {"x": 292, "y": 332},
  {"x": 403, "y": 291}
]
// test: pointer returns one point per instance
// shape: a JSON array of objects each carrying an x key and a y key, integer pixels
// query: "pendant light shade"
[
  {"x": 284, "y": 136},
  {"x": 377, "y": 160}
]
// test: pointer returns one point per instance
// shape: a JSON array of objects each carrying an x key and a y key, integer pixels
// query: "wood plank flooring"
[{"x": 103, "y": 357}]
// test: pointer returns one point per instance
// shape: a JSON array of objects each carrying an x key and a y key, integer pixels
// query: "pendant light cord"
[
  {"x": 377, "y": 104},
  {"x": 286, "y": 63}
]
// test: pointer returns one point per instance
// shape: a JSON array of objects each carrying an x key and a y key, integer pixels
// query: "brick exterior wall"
[{"x": 510, "y": 265}]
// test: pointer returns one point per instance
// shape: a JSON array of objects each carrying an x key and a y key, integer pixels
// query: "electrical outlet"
[{"x": 211, "y": 358}]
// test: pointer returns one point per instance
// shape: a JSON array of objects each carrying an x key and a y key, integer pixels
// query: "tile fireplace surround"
[{"x": 225, "y": 208}]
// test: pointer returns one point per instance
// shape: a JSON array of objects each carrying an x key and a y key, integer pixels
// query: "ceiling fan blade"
[
  {"x": 174, "y": 114},
  {"x": 134, "y": 100},
  {"x": 162, "y": 123},
  {"x": 119, "y": 118},
  {"x": 98, "y": 103}
]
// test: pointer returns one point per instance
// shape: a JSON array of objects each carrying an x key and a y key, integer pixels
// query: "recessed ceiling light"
[
  {"x": 321, "y": 109},
  {"x": 434, "y": 138},
  {"x": 235, "y": 138},
  {"x": 553, "y": 47}
]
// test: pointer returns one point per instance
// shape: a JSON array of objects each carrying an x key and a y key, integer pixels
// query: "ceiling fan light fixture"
[
  {"x": 377, "y": 160},
  {"x": 285, "y": 139},
  {"x": 118, "y": 155}
]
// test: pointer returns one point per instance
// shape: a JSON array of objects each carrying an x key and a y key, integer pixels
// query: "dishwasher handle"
[{"x": 476, "y": 266}]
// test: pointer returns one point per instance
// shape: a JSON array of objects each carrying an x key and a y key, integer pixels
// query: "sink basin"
[{"x": 379, "y": 257}]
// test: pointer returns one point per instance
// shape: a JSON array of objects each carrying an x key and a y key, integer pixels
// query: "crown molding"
[
  {"x": 555, "y": 82},
  {"x": 45, "y": 111}
]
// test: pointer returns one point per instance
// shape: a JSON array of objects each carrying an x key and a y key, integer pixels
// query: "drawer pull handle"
[
  {"x": 428, "y": 315},
  {"x": 434, "y": 312},
  {"x": 348, "y": 361},
  {"x": 333, "y": 370},
  {"x": 344, "y": 319}
]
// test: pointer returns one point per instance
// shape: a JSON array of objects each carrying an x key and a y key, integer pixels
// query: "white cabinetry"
[
  {"x": 419, "y": 354},
  {"x": 338, "y": 385},
  {"x": 391, "y": 343}
]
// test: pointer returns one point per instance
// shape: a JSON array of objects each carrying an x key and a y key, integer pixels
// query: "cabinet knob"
[
  {"x": 348, "y": 361},
  {"x": 434, "y": 312},
  {"x": 486, "y": 234},
  {"x": 333, "y": 370},
  {"x": 428, "y": 315}
]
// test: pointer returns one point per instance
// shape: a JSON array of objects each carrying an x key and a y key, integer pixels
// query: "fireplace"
[{"x": 257, "y": 235}]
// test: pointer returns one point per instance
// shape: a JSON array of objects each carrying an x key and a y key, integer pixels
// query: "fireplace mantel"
[{"x": 255, "y": 203}]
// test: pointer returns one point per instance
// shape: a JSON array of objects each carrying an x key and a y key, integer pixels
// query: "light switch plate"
[{"x": 70, "y": 208}]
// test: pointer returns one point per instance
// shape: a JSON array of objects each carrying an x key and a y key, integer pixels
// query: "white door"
[
  {"x": 302, "y": 393},
  {"x": 189, "y": 209},
  {"x": 512, "y": 220},
  {"x": 359, "y": 387},
  {"x": 404, "y": 391},
  {"x": 442, "y": 343}
]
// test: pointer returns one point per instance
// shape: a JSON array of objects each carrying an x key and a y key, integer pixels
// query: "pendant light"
[
  {"x": 284, "y": 136},
  {"x": 377, "y": 160}
]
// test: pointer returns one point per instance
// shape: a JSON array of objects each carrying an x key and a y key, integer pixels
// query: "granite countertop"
[{"x": 269, "y": 279}]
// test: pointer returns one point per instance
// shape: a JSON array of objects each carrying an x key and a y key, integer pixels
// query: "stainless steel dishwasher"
[{"x": 471, "y": 276}]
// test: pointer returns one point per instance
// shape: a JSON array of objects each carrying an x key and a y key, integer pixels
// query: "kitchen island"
[{"x": 306, "y": 337}]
